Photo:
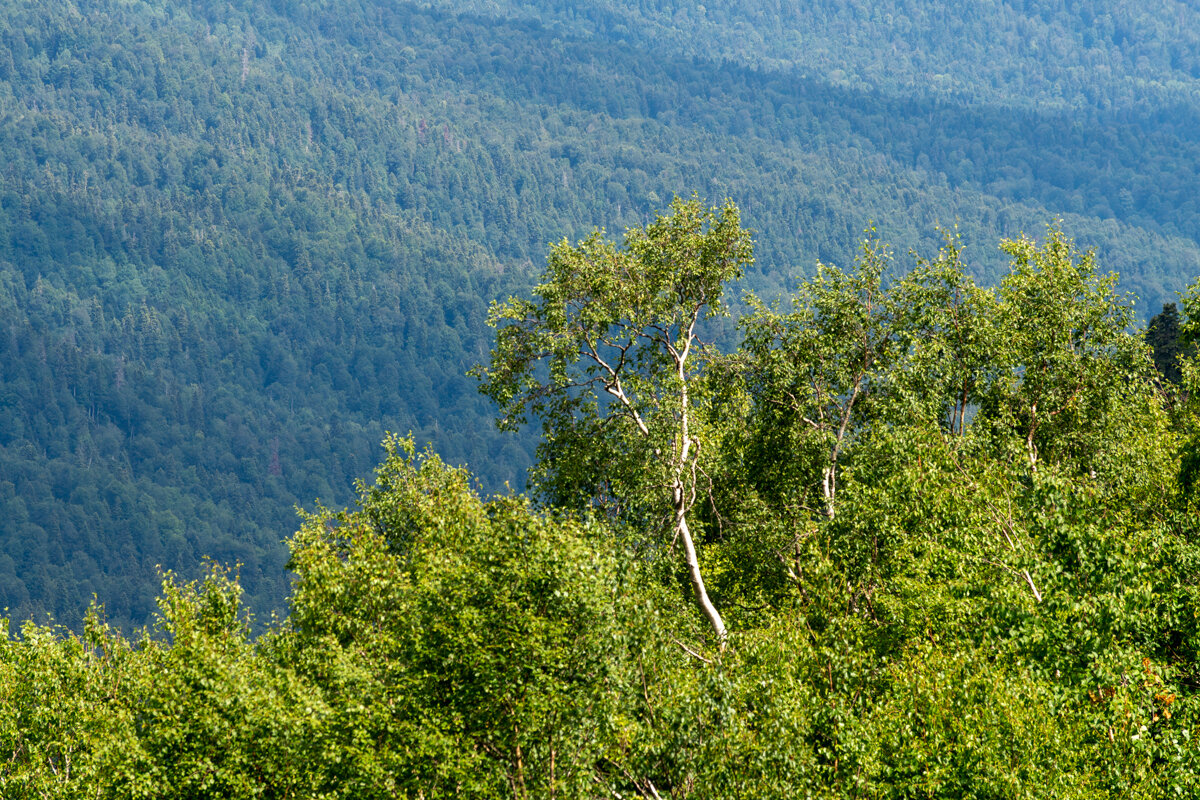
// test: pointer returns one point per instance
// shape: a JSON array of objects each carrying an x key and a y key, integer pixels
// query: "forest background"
[{"x": 240, "y": 242}]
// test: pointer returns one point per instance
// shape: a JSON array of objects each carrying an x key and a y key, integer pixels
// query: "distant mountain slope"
[
  {"x": 1076, "y": 54},
  {"x": 237, "y": 244}
]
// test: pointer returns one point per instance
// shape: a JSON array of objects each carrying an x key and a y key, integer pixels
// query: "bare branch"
[
  {"x": 614, "y": 388},
  {"x": 1029, "y": 579},
  {"x": 690, "y": 651}
]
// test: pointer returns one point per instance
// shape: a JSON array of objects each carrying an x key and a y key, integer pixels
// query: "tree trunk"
[{"x": 685, "y": 535}]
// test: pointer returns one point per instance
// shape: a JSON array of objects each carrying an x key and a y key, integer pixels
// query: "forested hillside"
[
  {"x": 1026, "y": 53},
  {"x": 238, "y": 243}
]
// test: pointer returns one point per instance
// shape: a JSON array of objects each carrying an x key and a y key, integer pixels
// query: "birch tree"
[
  {"x": 608, "y": 356},
  {"x": 1069, "y": 367},
  {"x": 811, "y": 371}
]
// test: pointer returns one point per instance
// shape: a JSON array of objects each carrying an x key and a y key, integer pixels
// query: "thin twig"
[{"x": 690, "y": 651}]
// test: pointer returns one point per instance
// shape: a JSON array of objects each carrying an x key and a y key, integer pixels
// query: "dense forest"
[
  {"x": 241, "y": 242},
  {"x": 913, "y": 537}
]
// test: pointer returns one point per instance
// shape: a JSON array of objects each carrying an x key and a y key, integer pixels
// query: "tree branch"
[{"x": 614, "y": 388}]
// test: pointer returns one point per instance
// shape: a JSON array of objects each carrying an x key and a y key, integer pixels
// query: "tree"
[
  {"x": 608, "y": 355},
  {"x": 1188, "y": 415},
  {"x": 1162, "y": 334},
  {"x": 810, "y": 371},
  {"x": 467, "y": 647},
  {"x": 1066, "y": 368},
  {"x": 947, "y": 334},
  {"x": 64, "y": 726}
]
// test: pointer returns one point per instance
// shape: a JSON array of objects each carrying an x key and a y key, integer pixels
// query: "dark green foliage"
[
  {"x": 1162, "y": 334},
  {"x": 239, "y": 242}
]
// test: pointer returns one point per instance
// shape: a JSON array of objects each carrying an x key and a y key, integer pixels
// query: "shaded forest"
[{"x": 239, "y": 244}]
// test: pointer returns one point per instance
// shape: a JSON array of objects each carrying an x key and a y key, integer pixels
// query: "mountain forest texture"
[
  {"x": 239, "y": 242},
  {"x": 912, "y": 537}
]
